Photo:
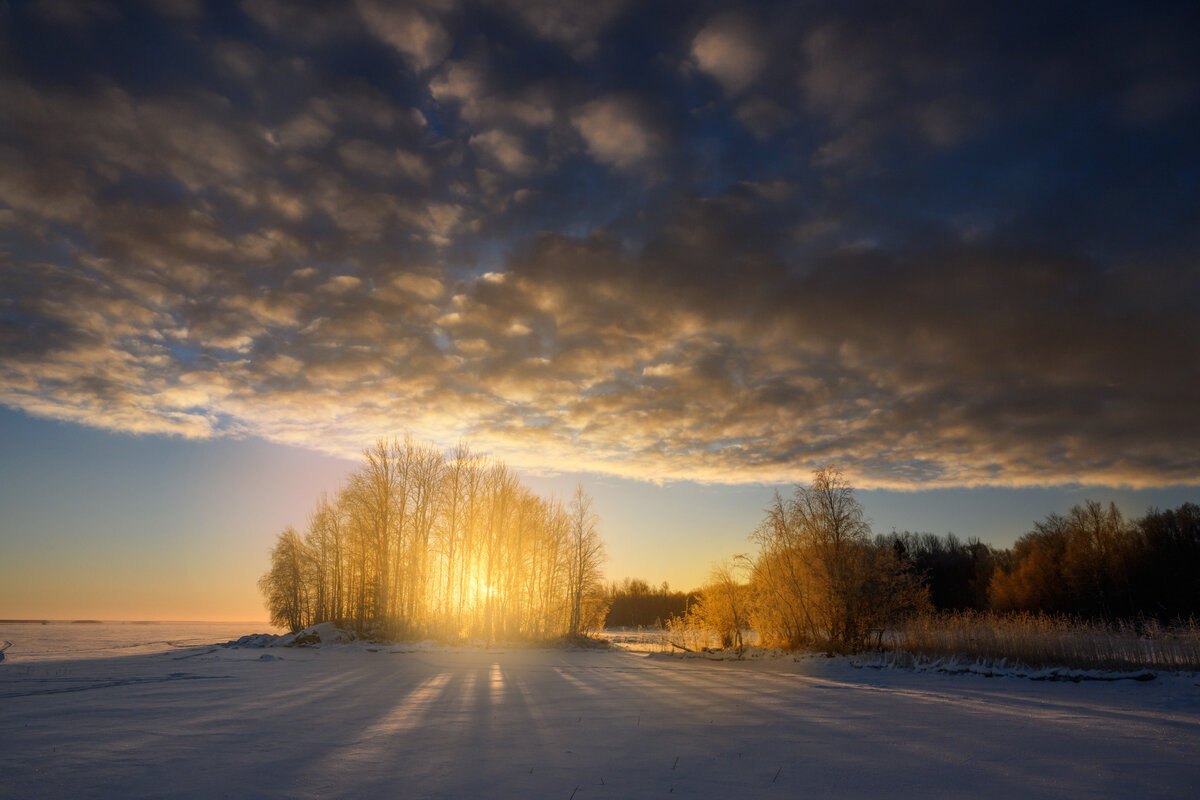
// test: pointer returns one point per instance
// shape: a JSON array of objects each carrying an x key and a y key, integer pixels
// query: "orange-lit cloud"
[
  {"x": 579, "y": 358},
  {"x": 731, "y": 51}
]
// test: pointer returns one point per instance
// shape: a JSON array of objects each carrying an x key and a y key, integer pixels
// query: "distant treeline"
[
  {"x": 1090, "y": 563},
  {"x": 1093, "y": 563},
  {"x": 421, "y": 542},
  {"x": 635, "y": 603}
]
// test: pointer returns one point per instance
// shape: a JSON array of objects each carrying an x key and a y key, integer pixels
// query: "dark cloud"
[{"x": 938, "y": 246}]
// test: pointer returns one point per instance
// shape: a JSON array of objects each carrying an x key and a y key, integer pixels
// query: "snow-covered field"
[{"x": 342, "y": 721}]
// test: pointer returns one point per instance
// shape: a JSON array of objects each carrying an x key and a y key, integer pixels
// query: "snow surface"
[
  {"x": 63, "y": 640},
  {"x": 367, "y": 720}
]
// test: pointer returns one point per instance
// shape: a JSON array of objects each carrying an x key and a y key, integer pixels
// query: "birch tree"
[{"x": 586, "y": 556}]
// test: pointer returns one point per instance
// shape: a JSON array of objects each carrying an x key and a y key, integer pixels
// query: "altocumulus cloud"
[{"x": 664, "y": 241}]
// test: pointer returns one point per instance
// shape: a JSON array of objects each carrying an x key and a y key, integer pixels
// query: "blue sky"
[{"x": 683, "y": 251}]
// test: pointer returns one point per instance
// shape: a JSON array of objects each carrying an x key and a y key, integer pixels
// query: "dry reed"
[{"x": 1038, "y": 640}]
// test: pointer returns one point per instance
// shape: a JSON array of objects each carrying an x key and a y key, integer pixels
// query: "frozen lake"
[
  {"x": 205, "y": 721},
  {"x": 57, "y": 640}
]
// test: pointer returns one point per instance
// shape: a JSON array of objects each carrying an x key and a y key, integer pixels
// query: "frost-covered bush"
[{"x": 820, "y": 578}]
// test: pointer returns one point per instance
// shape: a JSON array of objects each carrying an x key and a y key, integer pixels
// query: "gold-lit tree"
[{"x": 421, "y": 542}]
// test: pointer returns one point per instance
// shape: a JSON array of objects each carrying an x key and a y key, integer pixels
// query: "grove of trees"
[
  {"x": 634, "y": 602},
  {"x": 958, "y": 574},
  {"x": 420, "y": 542},
  {"x": 1090, "y": 563},
  {"x": 820, "y": 577},
  {"x": 1095, "y": 564}
]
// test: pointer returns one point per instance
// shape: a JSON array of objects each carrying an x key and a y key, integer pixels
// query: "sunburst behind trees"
[{"x": 421, "y": 542}]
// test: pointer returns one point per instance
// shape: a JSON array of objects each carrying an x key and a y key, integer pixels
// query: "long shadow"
[
  {"x": 125, "y": 713},
  {"x": 541, "y": 723},
  {"x": 831, "y": 729}
]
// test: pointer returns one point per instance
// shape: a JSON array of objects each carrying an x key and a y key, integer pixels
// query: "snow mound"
[
  {"x": 322, "y": 633},
  {"x": 255, "y": 640}
]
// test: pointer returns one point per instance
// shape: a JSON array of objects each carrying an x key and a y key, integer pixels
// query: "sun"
[{"x": 479, "y": 593}]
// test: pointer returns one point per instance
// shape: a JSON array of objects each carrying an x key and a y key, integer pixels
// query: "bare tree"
[
  {"x": 819, "y": 576},
  {"x": 286, "y": 583},
  {"x": 426, "y": 479},
  {"x": 586, "y": 557},
  {"x": 724, "y": 603}
]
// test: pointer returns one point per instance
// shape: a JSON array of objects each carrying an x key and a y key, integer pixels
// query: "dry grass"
[
  {"x": 1048, "y": 641},
  {"x": 1030, "y": 639}
]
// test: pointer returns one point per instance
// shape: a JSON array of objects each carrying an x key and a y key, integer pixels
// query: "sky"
[{"x": 683, "y": 252}]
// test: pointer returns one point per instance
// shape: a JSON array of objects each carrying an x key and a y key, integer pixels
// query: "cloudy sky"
[{"x": 661, "y": 246}]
